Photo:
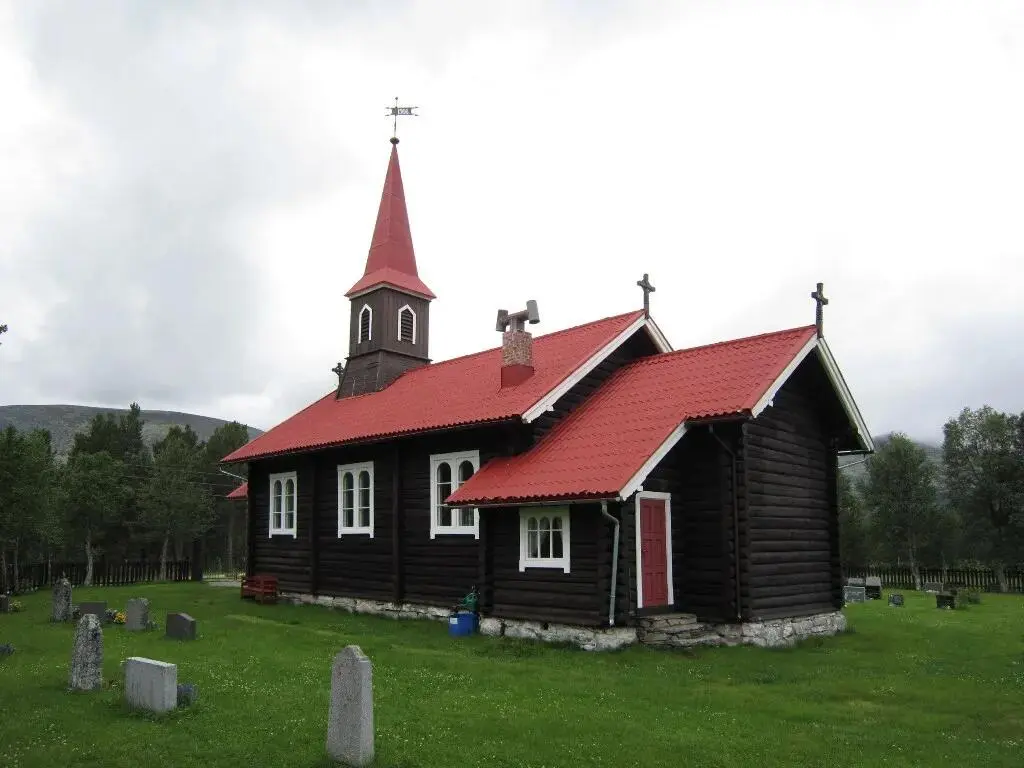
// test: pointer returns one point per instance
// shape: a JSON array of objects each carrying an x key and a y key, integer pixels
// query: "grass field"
[{"x": 914, "y": 686}]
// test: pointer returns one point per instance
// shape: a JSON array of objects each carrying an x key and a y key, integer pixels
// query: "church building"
[{"x": 591, "y": 484}]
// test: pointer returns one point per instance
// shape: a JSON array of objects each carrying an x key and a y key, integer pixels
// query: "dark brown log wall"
[
  {"x": 793, "y": 522},
  {"x": 282, "y": 556},
  {"x": 542, "y": 594}
]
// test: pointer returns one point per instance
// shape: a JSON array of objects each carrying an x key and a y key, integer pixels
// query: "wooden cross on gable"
[
  {"x": 819, "y": 312},
  {"x": 648, "y": 289}
]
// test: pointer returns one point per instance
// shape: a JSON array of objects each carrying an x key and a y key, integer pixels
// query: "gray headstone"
[
  {"x": 873, "y": 581},
  {"x": 932, "y": 586},
  {"x": 136, "y": 614},
  {"x": 181, "y": 626},
  {"x": 350, "y": 719},
  {"x": 87, "y": 656},
  {"x": 96, "y": 607},
  {"x": 150, "y": 685},
  {"x": 5, "y": 604},
  {"x": 896, "y": 599},
  {"x": 855, "y": 581},
  {"x": 854, "y": 594},
  {"x": 61, "y": 600}
]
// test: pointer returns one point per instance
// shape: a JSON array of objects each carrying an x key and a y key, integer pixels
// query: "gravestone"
[
  {"x": 932, "y": 586},
  {"x": 136, "y": 614},
  {"x": 945, "y": 600},
  {"x": 896, "y": 599},
  {"x": 87, "y": 656},
  {"x": 5, "y": 603},
  {"x": 853, "y": 594},
  {"x": 61, "y": 600},
  {"x": 855, "y": 581},
  {"x": 150, "y": 685},
  {"x": 97, "y": 608},
  {"x": 181, "y": 626},
  {"x": 350, "y": 718},
  {"x": 873, "y": 587}
]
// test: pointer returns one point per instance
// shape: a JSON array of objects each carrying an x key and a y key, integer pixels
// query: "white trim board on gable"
[{"x": 547, "y": 402}]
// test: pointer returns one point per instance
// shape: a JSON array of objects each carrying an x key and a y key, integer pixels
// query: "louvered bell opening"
[{"x": 407, "y": 326}]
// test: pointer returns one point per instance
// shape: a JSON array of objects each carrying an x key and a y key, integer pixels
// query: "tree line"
[
  {"x": 967, "y": 512},
  {"x": 115, "y": 498}
]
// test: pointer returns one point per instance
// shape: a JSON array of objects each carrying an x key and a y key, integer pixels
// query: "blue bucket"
[{"x": 462, "y": 624}]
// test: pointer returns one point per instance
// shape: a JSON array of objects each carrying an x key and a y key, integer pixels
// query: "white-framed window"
[
  {"x": 365, "y": 323},
  {"x": 447, "y": 472},
  {"x": 283, "y": 499},
  {"x": 407, "y": 324},
  {"x": 544, "y": 538},
  {"x": 355, "y": 499}
]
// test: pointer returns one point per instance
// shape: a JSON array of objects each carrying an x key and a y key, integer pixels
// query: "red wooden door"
[{"x": 653, "y": 555}]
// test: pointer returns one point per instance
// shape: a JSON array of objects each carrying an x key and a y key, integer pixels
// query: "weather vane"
[{"x": 396, "y": 112}]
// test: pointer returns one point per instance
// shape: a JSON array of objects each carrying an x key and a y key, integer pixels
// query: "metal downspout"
[
  {"x": 615, "y": 562},
  {"x": 735, "y": 517}
]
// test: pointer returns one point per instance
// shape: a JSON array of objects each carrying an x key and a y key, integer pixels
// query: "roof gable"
[
  {"x": 608, "y": 445},
  {"x": 458, "y": 392}
]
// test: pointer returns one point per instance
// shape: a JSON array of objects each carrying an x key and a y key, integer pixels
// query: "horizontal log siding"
[
  {"x": 792, "y": 514},
  {"x": 354, "y": 565},
  {"x": 281, "y": 556},
  {"x": 542, "y": 594}
]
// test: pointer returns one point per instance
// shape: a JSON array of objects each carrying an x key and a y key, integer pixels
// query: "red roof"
[
  {"x": 241, "y": 492},
  {"x": 466, "y": 390},
  {"x": 392, "y": 260},
  {"x": 600, "y": 447}
]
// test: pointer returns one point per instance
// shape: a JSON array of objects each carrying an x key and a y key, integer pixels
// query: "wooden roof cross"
[
  {"x": 648, "y": 289},
  {"x": 819, "y": 312}
]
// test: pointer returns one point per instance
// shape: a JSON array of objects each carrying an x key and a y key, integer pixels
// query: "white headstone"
[
  {"x": 136, "y": 614},
  {"x": 350, "y": 720},
  {"x": 150, "y": 685},
  {"x": 87, "y": 657}
]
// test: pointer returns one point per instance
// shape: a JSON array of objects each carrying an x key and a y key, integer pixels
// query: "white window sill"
[
  {"x": 355, "y": 532},
  {"x": 293, "y": 534},
  {"x": 454, "y": 531},
  {"x": 561, "y": 564}
]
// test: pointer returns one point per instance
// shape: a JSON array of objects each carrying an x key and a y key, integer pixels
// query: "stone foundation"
[
  {"x": 674, "y": 630},
  {"x": 684, "y": 631}
]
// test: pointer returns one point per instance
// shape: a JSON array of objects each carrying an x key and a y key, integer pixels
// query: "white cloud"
[{"x": 738, "y": 152}]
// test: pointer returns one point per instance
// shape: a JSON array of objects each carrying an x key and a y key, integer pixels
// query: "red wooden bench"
[{"x": 261, "y": 587}]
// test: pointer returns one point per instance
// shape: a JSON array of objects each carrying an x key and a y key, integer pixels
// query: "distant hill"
[
  {"x": 63, "y": 421},
  {"x": 860, "y": 471}
]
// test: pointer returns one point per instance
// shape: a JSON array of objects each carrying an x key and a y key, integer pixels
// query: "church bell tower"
[{"x": 389, "y": 326}]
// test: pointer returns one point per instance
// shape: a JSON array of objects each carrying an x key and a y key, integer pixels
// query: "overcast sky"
[{"x": 187, "y": 189}]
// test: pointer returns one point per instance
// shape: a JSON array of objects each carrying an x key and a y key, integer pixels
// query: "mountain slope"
[{"x": 63, "y": 421}]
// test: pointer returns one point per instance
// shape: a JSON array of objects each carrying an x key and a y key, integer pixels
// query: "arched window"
[
  {"x": 449, "y": 471},
  {"x": 407, "y": 324},
  {"x": 365, "y": 323},
  {"x": 355, "y": 498},
  {"x": 284, "y": 504}
]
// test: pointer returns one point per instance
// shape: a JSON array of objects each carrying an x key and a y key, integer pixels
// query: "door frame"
[{"x": 667, "y": 498}]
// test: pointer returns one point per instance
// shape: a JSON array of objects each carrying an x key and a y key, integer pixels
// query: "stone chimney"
[{"x": 516, "y": 344}]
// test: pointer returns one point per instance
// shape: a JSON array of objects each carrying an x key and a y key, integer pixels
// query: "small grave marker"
[
  {"x": 853, "y": 594},
  {"x": 945, "y": 600},
  {"x": 350, "y": 719},
  {"x": 855, "y": 581},
  {"x": 873, "y": 587},
  {"x": 932, "y": 586},
  {"x": 136, "y": 614},
  {"x": 150, "y": 685},
  {"x": 180, "y": 626},
  {"x": 61, "y": 600},
  {"x": 97, "y": 608},
  {"x": 896, "y": 599},
  {"x": 5, "y": 603},
  {"x": 87, "y": 656}
]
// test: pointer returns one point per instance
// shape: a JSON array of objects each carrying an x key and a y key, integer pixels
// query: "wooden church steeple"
[{"x": 389, "y": 305}]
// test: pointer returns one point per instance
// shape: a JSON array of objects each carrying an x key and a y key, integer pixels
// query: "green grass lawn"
[{"x": 911, "y": 686}]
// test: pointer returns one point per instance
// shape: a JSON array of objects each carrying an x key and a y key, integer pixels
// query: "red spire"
[{"x": 391, "y": 260}]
